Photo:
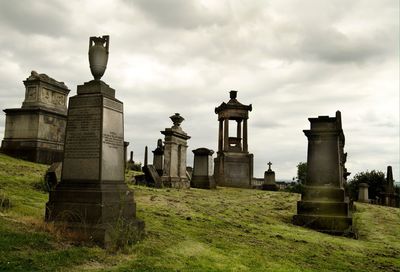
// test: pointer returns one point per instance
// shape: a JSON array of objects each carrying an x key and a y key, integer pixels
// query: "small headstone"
[
  {"x": 158, "y": 157},
  {"x": 269, "y": 180},
  {"x": 202, "y": 176}
]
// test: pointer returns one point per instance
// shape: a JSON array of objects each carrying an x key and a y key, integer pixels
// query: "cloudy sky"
[{"x": 290, "y": 59}]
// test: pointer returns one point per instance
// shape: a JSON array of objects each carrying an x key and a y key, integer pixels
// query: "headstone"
[
  {"x": 363, "y": 192},
  {"x": 158, "y": 157},
  {"x": 202, "y": 176},
  {"x": 35, "y": 132},
  {"x": 175, "y": 146},
  {"x": 389, "y": 197},
  {"x": 323, "y": 205},
  {"x": 53, "y": 175},
  {"x": 269, "y": 180},
  {"x": 92, "y": 197},
  {"x": 234, "y": 163}
]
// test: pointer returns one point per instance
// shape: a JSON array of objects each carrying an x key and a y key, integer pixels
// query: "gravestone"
[
  {"x": 92, "y": 197},
  {"x": 389, "y": 196},
  {"x": 363, "y": 192},
  {"x": 202, "y": 176},
  {"x": 53, "y": 175},
  {"x": 234, "y": 163},
  {"x": 323, "y": 205},
  {"x": 269, "y": 180},
  {"x": 35, "y": 132},
  {"x": 158, "y": 157},
  {"x": 175, "y": 146}
]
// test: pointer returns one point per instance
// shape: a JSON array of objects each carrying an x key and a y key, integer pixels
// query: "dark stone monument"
[
  {"x": 269, "y": 180},
  {"x": 202, "y": 176},
  {"x": 152, "y": 178},
  {"x": 53, "y": 175},
  {"x": 233, "y": 164},
  {"x": 323, "y": 205},
  {"x": 35, "y": 132},
  {"x": 175, "y": 146},
  {"x": 389, "y": 196},
  {"x": 158, "y": 157},
  {"x": 92, "y": 197}
]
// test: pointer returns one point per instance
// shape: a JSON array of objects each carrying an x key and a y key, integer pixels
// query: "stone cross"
[{"x": 269, "y": 165}]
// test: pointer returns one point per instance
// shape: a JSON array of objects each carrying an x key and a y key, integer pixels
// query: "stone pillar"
[
  {"x": 175, "y": 146},
  {"x": 145, "y": 156},
  {"x": 363, "y": 192},
  {"x": 220, "y": 135},
  {"x": 239, "y": 134},
  {"x": 92, "y": 195},
  {"x": 323, "y": 205},
  {"x": 245, "y": 147},
  {"x": 126, "y": 144},
  {"x": 202, "y": 176},
  {"x": 226, "y": 134}
]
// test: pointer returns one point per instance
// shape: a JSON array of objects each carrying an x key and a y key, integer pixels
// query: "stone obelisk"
[{"x": 92, "y": 197}]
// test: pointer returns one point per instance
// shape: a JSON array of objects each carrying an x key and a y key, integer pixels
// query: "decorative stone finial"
[
  {"x": 98, "y": 55},
  {"x": 233, "y": 94},
  {"x": 177, "y": 119},
  {"x": 269, "y": 166}
]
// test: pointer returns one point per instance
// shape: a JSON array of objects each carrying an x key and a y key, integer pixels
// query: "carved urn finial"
[
  {"x": 98, "y": 55},
  {"x": 233, "y": 94},
  {"x": 177, "y": 119}
]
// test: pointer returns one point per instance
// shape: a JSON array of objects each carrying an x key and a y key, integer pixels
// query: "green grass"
[{"x": 194, "y": 230}]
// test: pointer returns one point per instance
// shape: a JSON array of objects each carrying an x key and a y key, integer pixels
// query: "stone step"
[{"x": 323, "y": 208}]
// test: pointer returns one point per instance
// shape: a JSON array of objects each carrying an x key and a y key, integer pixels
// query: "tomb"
[
  {"x": 35, "y": 132},
  {"x": 202, "y": 175},
  {"x": 158, "y": 157},
  {"x": 389, "y": 196},
  {"x": 233, "y": 166},
  {"x": 323, "y": 205},
  {"x": 269, "y": 183},
  {"x": 92, "y": 198},
  {"x": 175, "y": 147},
  {"x": 363, "y": 193}
]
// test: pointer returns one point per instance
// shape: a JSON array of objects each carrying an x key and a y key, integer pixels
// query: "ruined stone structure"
[
  {"x": 389, "y": 196},
  {"x": 92, "y": 197},
  {"x": 175, "y": 147},
  {"x": 269, "y": 183},
  {"x": 233, "y": 164},
  {"x": 202, "y": 176},
  {"x": 323, "y": 205},
  {"x": 36, "y": 131}
]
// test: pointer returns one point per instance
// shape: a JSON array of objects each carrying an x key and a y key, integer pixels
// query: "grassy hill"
[{"x": 193, "y": 230}]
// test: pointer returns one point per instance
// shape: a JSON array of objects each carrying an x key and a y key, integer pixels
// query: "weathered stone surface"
[
  {"x": 389, "y": 196},
  {"x": 53, "y": 175},
  {"x": 158, "y": 157},
  {"x": 323, "y": 205},
  {"x": 202, "y": 176},
  {"x": 175, "y": 146},
  {"x": 269, "y": 180},
  {"x": 35, "y": 132},
  {"x": 233, "y": 164},
  {"x": 363, "y": 193}
]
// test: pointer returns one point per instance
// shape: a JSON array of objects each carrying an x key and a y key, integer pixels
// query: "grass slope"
[{"x": 194, "y": 230}]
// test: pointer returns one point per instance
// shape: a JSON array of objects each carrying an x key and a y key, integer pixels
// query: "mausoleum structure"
[
  {"x": 202, "y": 176},
  {"x": 233, "y": 166},
  {"x": 36, "y": 131},
  {"x": 92, "y": 197},
  {"x": 323, "y": 205},
  {"x": 175, "y": 147}
]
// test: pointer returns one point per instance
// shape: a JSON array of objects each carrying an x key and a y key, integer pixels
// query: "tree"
[
  {"x": 301, "y": 172},
  {"x": 375, "y": 179}
]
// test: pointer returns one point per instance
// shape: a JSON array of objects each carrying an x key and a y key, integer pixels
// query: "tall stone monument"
[
  {"x": 158, "y": 157},
  {"x": 389, "y": 196},
  {"x": 323, "y": 205},
  {"x": 175, "y": 147},
  {"x": 36, "y": 131},
  {"x": 92, "y": 197},
  {"x": 233, "y": 164},
  {"x": 202, "y": 176}
]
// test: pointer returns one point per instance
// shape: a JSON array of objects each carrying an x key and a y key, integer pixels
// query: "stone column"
[
  {"x": 239, "y": 133},
  {"x": 363, "y": 192},
  {"x": 220, "y": 135},
  {"x": 226, "y": 134},
  {"x": 245, "y": 147}
]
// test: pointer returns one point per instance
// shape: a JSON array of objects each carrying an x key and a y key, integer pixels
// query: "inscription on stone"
[
  {"x": 83, "y": 138},
  {"x": 112, "y": 140}
]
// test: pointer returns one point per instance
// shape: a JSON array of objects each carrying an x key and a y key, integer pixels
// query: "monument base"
[
  {"x": 175, "y": 182},
  {"x": 203, "y": 182},
  {"x": 233, "y": 169},
  {"x": 324, "y": 209},
  {"x": 269, "y": 187}
]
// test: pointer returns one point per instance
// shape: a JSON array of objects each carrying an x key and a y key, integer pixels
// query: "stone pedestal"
[
  {"x": 363, "y": 192},
  {"x": 158, "y": 157},
  {"x": 269, "y": 180},
  {"x": 35, "y": 132},
  {"x": 202, "y": 176},
  {"x": 323, "y": 205},
  {"x": 92, "y": 197},
  {"x": 233, "y": 164},
  {"x": 175, "y": 146},
  {"x": 389, "y": 196}
]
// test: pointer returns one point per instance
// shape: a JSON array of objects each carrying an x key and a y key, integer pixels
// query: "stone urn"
[{"x": 98, "y": 55}]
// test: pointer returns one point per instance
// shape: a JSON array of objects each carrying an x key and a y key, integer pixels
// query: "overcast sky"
[{"x": 290, "y": 59}]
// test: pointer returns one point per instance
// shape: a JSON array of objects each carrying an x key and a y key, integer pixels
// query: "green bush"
[{"x": 375, "y": 179}]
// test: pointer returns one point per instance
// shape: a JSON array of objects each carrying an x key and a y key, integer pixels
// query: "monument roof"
[
  {"x": 35, "y": 76},
  {"x": 233, "y": 104}
]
